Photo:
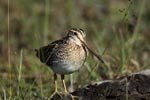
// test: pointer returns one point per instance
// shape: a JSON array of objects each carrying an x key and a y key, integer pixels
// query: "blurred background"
[{"x": 119, "y": 30}]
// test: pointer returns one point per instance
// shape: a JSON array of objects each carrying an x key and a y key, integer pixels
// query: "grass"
[{"x": 118, "y": 30}]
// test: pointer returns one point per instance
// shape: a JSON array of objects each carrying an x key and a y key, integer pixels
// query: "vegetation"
[{"x": 117, "y": 29}]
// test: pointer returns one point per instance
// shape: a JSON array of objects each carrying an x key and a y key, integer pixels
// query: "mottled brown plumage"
[{"x": 66, "y": 55}]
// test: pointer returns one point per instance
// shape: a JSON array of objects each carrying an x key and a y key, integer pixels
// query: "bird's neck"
[{"x": 75, "y": 40}]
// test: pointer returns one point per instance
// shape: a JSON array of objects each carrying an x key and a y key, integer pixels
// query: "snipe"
[{"x": 66, "y": 55}]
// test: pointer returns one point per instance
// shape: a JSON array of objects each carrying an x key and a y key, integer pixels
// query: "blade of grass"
[
  {"x": 20, "y": 72},
  {"x": 4, "y": 94},
  {"x": 135, "y": 34},
  {"x": 46, "y": 21},
  {"x": 8, "y": 41}
]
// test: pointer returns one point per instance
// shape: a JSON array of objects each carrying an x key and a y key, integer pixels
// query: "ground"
[{"x": 116, "y": 29}]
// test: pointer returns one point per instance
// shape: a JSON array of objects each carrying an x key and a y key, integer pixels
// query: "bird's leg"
[
  {"x": 55, "y": 84},
  {"x": 66, "y": 92},
  {"x": 63, "y": 82}
]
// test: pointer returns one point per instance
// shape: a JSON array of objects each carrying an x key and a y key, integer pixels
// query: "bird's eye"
[{"x": 74, "y": 33}]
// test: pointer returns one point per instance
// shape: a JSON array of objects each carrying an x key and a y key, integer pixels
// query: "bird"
[{"x": 66, "y": 55}]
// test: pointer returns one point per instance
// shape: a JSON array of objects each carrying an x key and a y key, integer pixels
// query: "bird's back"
[{"x": 62, "y": 51}]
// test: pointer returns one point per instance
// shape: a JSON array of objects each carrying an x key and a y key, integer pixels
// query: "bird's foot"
[
  {"x": 60, "y": 95},
  {"x": 56, "y": 94},
  {"x": 71, "y": 96}
]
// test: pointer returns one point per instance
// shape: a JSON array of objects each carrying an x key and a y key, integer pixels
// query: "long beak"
[{"x": 95, "y": 54}]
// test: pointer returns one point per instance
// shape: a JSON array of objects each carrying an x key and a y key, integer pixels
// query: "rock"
[{"x": 132, "y": 87}]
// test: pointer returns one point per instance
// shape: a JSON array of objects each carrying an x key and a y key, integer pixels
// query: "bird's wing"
[{"x": 44, "y": 53}]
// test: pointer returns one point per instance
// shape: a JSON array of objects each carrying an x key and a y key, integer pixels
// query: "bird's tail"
[{"x": 36, "y": 52}]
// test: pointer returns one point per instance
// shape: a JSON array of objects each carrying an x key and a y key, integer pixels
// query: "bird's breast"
[
  {"x": 68, "y": 59},
  {"x": 72, "y": 53}
]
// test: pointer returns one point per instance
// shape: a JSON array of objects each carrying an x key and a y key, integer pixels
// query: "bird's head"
[{"x": 76, "y": 35}]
